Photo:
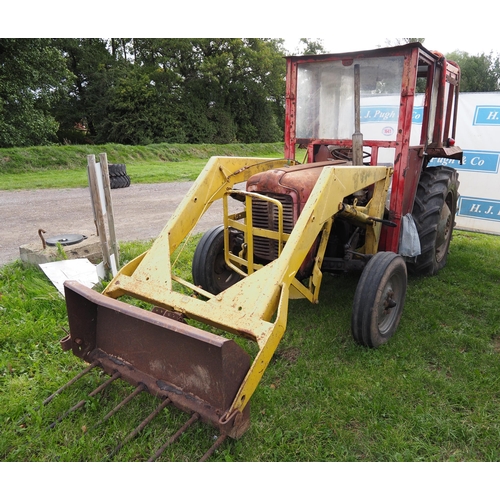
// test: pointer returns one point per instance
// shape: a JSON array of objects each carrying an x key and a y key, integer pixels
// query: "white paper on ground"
[
  {"x": 81, "y": 270},
  {"x": 100, "y": 267}
]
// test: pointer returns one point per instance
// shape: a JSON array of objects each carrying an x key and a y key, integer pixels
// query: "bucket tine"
[
  {"x": 140, "y": 427},
  {"x": 140, "y": 388},
  {"x": 81, "y": 403},
  {"x": 65, "y": 386},
  {"x": 72, "y": 381},
  {"x": 194, "y": 417},
  {"x": 217, "y": 443}
]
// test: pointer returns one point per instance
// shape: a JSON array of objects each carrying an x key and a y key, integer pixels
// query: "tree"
[
  {"x": 307, "y": 46},
  {"x": 479, "y": 73},
  {"x": 92, "y": 66},
  {"x": 33, "y": 77},
  {"x": 199, "y": 90},
  {"x": 140, "y": 90},
  {"x": 250, "y": 89},
  {"x": 403, "y": 41}
]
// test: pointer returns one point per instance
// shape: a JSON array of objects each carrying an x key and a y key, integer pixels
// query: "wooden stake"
[
  {"x": 109, "y": 206},
  {"x": 99, "y": 218}
]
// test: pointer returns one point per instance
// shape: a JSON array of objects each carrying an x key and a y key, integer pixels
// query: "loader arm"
[{"x": 219, "y": 176}]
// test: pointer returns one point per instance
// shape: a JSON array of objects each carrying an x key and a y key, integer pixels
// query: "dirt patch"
[
  {"x": 290, "y": 354},
  {"x": 496, "y": 344},
  {"x": 141, "y": 211}
]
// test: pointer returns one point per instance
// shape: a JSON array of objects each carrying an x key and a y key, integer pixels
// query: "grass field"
[
  {"x": 66, "y": 166},
  {"x": 432, "y": 394}
]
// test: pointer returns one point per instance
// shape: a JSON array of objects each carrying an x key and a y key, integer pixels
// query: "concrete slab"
[{"x": 90, "y": 248}]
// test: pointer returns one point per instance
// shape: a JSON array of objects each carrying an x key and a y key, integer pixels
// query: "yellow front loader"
[{"x": 197, "y": 371}]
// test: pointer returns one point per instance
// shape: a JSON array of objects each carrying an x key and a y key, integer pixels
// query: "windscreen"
[{"x": 325, "y": 97}]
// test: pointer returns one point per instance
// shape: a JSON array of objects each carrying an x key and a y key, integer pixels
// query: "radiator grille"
[{"x": 265, "y": 216}]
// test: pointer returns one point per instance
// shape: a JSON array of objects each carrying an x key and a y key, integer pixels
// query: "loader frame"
[{"x": 256, "y": 307}]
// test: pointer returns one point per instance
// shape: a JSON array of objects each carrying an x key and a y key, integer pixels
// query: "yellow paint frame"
[{"x": 248, "y": 307}]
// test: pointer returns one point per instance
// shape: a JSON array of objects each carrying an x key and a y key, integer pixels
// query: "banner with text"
[{"x": 478, "y": 134}]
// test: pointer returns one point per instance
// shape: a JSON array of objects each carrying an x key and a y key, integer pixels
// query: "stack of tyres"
[{"x": 118, "y": 177}]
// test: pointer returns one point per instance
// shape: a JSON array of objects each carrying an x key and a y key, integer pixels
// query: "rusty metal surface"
[
  {"x": 71, "y": 382},
  {"x": 83, "y": 402},
  {"x": 170, "y": 314},
  {"x": 140, "y": 388},
  {"x": 200, "y": 372},
  {"x": 41, "y": 233},
  {"x": 210, "y": 452},
  {"x": 296, "y": 181}
]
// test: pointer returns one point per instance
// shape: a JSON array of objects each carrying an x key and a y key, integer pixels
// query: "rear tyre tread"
[
  {"x": 119, "y": 181},
  {"x": 437, "y": 189},
  {"x": 117, "y": 169}
]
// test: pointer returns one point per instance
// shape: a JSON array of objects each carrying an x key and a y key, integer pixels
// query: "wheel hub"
[{"x": 389, "y": 302}]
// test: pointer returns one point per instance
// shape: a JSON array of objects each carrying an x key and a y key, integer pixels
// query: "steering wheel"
[{"x": 346, "y": 154}]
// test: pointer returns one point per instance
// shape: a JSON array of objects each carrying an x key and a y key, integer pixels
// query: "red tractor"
[
  {"x": 365, "y": 199},
  {"x": 358, "y": 109}
]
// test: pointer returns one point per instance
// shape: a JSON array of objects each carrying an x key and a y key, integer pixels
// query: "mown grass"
[
  {"x": 66, "y": 166},
  {"x": 431, "y": 394}
]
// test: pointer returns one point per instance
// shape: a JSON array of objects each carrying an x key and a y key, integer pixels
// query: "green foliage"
[
  {"x": 142, "y": 91},
  {"x": 311, "y": 46},
  {"x": 91, "y": 65},
  {"x": 32, "y": 78},
  {"x": 480, "y": 73},
  {"x": 61, "y": 254}
]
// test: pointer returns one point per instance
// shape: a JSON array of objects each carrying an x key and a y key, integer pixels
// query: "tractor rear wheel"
[
  {"x": 379, "y": 299},
  {"x": 434, "y": 214},
  {"x": 209, "y": 268}
]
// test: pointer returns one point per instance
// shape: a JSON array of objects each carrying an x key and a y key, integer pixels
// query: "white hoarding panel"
[{"x": 478, "y": 134}]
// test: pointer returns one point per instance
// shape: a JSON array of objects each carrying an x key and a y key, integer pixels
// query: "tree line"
[
  {"x": 140, "y": 91},
  {"x": 143, "y": 90}
]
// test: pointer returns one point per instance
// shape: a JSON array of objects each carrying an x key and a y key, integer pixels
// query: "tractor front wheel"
[
  {"x": 379, "y": 299},
  {"x": 209, "y": 268},
  {"x": 434, "y": 214}
]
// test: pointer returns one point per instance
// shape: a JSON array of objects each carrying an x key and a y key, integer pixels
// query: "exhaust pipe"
[{"x": 357, "y": 137}]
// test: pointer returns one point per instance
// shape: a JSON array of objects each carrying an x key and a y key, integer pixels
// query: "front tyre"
[
  {"x": 209, "y": 268},
  {"x": 379, "y": 299},
  {"x": 434, "y": 215}
]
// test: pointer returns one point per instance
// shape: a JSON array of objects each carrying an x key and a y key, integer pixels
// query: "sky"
[
  {"x": 343, "y": 25},
  {"x": 444, "y": 43}
]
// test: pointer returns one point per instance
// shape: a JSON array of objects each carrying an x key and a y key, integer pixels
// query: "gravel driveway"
[{"x": 141, "y": 211}]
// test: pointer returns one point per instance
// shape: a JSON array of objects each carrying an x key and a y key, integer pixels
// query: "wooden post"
[
  {"x": 103, "y": 159},
  {"x": 98, "y": 213}
]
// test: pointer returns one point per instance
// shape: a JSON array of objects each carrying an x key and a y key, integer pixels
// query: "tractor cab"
[{"x": 394, "y": 106}]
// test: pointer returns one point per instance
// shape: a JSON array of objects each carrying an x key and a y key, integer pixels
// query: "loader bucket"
[{"x": 198, "y": 371}]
